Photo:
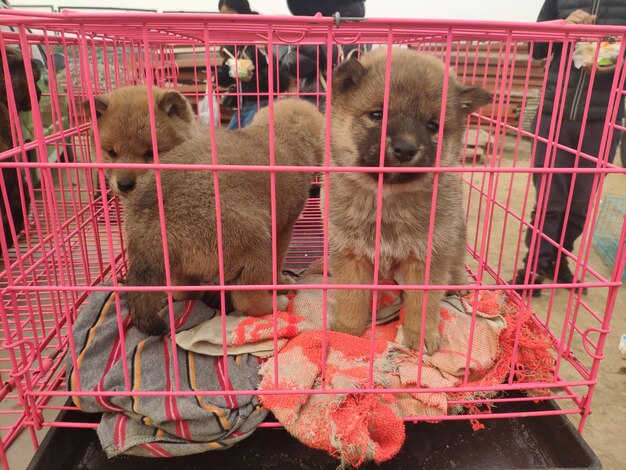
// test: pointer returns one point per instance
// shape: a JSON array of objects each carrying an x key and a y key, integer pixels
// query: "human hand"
[
  {"x": 601, "y": 68},
  {"x": 580, "y": 17},
  {"x": 243, "y": 69}
]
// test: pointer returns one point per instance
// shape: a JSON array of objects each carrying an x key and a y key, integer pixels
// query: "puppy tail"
[{"x": 144, "y": 307}]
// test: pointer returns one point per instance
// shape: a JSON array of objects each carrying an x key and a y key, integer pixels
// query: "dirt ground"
[{"x": 604, "y": 428}]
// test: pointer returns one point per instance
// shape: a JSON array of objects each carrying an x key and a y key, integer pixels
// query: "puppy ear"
[
  {"x": 37, "y": 66},
  {"x": 473, "y": 97},
  {"x": 347, "y": 74},
  {"x": 14, "y": 58},
  {"x": 101, "y": 102},
  {"x": 172, "y": 103}
]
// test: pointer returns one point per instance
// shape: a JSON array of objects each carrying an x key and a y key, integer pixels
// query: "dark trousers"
[{"x": 557, "y": 186}]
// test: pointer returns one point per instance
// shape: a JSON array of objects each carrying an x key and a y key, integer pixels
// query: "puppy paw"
[
  {"x": 460, "y": 293},
  {"x": 144, "y": 308},
  {"x": 431, "y": 340},
  {"x": 285, "y": 279},
  {"x": 341, "y": 327},
  {"x": 282, "y": 303},
  {"x": 150, "y": 324},
  {"x": 256, "y": 303}
]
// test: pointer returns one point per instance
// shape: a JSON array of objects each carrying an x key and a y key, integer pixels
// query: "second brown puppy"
[
  {"x": 411, "y": 140},
  {"x": 190, "y": 212}
]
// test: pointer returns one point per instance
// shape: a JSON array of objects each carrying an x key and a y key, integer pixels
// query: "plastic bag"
[
  {"x": 584, "y": 53},
  {"x": 242, "y": 68},
  {"x": 204, "y": 110}
]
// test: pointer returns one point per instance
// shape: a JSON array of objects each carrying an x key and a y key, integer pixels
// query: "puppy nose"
[
  {"x": 126, "y": 186},
  {"x": 403, "y": 151}
]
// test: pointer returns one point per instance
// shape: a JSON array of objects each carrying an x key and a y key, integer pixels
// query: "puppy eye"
[
  {"x": 432, "y": 126},
  {"x": 149, "y": 154},
  {"x": 376, "y": 115},
  {"x": 112, "y": 153}
]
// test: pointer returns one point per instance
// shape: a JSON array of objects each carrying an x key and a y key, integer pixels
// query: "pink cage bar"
[{"x": 73, "y": 240}]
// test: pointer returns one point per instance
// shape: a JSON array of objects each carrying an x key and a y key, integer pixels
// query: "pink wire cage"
[{"x": 74, "y": 240}]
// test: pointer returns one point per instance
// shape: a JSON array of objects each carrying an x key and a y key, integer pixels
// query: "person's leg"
[
  {"x": 583, "y": 183},
  {"x": 551, "y": 191},
  {"x": 249, "y": 110},
  {"x": 581, "y": 194},
  {"x": 537, "y": 162},
  {"x": 234, "y": 121},
  {"x": 554, "y": 189}
]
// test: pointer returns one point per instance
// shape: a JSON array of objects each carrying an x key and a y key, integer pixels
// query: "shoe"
[
  {"x": 565, "y": 275},
  {"x": 536, "y": 279}
]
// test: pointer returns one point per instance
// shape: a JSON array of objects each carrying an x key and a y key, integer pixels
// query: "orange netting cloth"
[{"x": 359, "y": 427}]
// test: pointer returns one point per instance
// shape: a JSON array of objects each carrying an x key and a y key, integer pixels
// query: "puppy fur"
[
  {"x": 415, "y": 101},
  {"x": 190, "y": 211},
  {"x": 123, "y": 117},
  {"x": 11, "y": 177}
]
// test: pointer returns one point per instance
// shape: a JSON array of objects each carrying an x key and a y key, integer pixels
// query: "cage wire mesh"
[
  {"x": 606, "y": 236},
  {"x": 72, "y": 247}
]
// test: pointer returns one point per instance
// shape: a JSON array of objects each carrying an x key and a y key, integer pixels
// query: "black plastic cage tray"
[{"x": 521, "y": 443}]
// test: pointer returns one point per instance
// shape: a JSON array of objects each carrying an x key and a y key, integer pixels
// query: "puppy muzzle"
[
  {"x": 125, "y": 186},
  {"x": 404, "y": 154}
]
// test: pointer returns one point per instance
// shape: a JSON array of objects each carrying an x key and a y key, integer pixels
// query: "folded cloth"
[
  {"x": 355, "y": 427},
  {"x": 359, "y": 427},
  {"x": 161, "y": 426},
  {"x": 255, "y": 335}
]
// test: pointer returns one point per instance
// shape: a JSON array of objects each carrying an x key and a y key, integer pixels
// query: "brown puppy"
[
  {"x": 11, "y": 177},
  {"x": 19, "y": 81},
  {"x": 124, "y": 128},
  {"x": 415, "y": 102},
  {"x": 190, "y": 212}
]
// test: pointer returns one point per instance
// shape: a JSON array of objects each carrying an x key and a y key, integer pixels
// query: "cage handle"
[
  {"x": 45, "y": 363},
  {"x": 345, "y": 40},
  {"x": 285, "y": 38},
  {"x": 586, "y": 341}
]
